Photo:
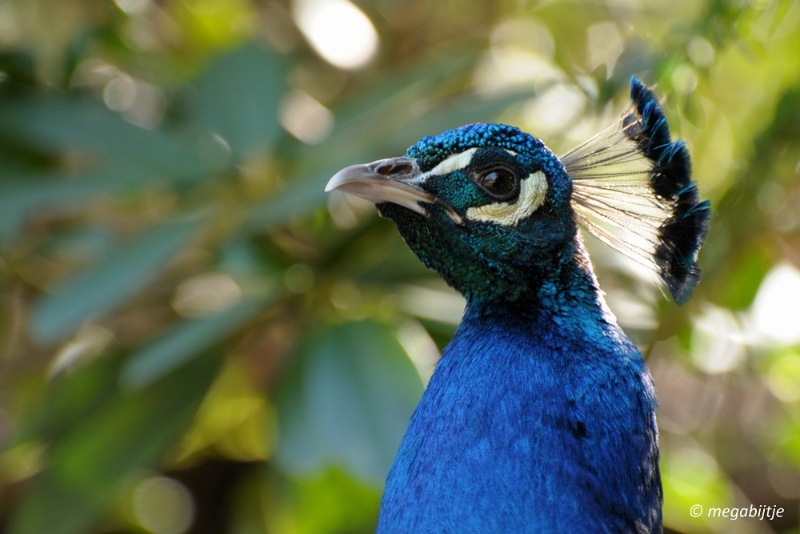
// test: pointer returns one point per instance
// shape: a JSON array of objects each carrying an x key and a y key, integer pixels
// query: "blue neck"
[{"x": 537, "y": 419}]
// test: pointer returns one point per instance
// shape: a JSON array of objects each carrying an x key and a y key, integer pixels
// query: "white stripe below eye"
[{"x": 531, "y": 195}]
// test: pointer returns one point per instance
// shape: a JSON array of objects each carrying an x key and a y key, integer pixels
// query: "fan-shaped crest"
[{"x": 632, "y": 189}]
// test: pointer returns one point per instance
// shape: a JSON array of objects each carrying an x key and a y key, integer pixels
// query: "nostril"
[
  {"x": 400, "y": 168},
  {"x": 385, "y": 168},
  {"x": 394, "y": 168}
]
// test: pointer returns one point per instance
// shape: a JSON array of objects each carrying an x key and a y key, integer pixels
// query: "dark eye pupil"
[{"x": 498, "y": 182}]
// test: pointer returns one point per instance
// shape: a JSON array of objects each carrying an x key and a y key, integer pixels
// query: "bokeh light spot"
[
  {"x": 346, "y": 296},
  {"x": 120, "y": 93},
  {"x": 420, "y": 347},
  {"x": 784, "y": 377},
  {"x": 299, "y": 278},
  {"x": 604, "y": 46},
  {"x": 717, "y": 340},
  {"x": 88, "y": 343},
  {"x": 524, "y": 34},
  {"x": 338, "y": 30},
  {"x": 445, "y": 306},
  {"x": 163, "y": 505},
  {"x": 691, "y": 471},
  {"x": 701, "y": 52},
  {"x": 776, "y": 308},
  {"x": 133, "y": 7},
  {"x": 9, "y": 23},
  {"x": 348, "y": 210},
  {"x": 305, "y": 118},
  {"x": 521, "y": 55},
  {"x": 555, "y": 109},
  {"x": 140, "y": 103},
  {"x": 216, "y": 23},
  {"x": 684, "y": 79},
  {"x": 206, "y": 294}
]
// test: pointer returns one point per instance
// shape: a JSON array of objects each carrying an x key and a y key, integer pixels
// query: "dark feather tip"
[{"x": 683, "y": 233}]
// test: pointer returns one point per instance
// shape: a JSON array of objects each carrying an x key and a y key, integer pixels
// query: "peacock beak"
[{"x": 388, "y": 180}]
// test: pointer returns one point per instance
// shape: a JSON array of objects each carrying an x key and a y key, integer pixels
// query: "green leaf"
[
  {"x": 183, "y": 342},
  {"x": 348, "y": 402},
  {"x": 21, "y": 194},
  {"x": 19, "y": 69},
  {"x": 737, "y": 285},
  {"x": 101, "y": 289},
  {"x": 329, "y": 502},
  {"x": 239, "y": 99},
  {"x": 68, "y": 399},
  {"x": 130, "y": 432},
  {"x": 65, "y": 122},
  {"x": 302, "y": 199}
]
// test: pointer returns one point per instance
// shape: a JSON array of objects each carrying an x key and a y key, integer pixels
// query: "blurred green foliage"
[{"x": 196, "y": 338}]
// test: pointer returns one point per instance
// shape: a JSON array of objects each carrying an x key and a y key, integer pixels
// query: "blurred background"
[{"x": 195, "y": 338}]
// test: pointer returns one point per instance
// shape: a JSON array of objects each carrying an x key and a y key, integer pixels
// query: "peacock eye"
[{"x": 499, "y": 183}]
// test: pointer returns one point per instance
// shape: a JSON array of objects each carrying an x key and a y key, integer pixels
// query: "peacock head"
[
  {"x": 495, "y": 212},
  {"x": 485, "y": 205}
]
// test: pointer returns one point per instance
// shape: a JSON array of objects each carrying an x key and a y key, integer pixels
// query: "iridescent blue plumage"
[
  {"x": 540, "y": 416},
  {"x": 542, "y": 424}
]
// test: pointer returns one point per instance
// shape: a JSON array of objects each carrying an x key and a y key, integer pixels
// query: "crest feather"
[{"x": 632, "y": 189}]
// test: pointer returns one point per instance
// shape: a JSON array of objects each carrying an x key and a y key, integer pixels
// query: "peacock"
[{"x": 540, "y": 416}]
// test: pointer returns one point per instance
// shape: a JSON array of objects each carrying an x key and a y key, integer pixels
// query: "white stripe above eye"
[
  {"x": 448, "y": 165},
  {"x": 452, "y": 163},
  {"x": 531, "y": 195}
]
